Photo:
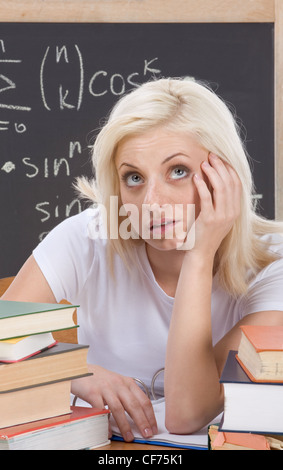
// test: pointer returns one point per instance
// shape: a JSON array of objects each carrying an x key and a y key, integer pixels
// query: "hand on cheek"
[{"x": 219, "y": 193}]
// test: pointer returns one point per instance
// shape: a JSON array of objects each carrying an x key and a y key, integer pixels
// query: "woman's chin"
[{"x": 164, "y": 244}]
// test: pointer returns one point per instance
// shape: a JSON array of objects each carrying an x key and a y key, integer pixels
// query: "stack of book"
[
  {"x": 253, "y": 384},
  {"x": 35, "y": 381}
]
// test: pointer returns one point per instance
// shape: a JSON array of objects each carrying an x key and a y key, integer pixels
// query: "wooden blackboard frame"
[{"x": 190, "y": 11}]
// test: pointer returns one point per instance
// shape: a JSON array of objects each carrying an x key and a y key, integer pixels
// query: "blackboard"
[{"x": 58, "y": 82}]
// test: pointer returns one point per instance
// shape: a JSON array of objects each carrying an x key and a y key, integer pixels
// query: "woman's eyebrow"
[
  {"x": 167, "y": 159},
  {"x": 128, "y": 164},
  {"x": 175, "y": 155}
]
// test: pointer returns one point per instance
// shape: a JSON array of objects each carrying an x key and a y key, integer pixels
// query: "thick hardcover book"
[
  {"x": 34, "y": 403},
  {"x": 82, "y": 428},
  {"x": 260, "y": 352},
  {"x": 250, "y": 406},
  {"x": 61, "y": 362},
  {"x": 27, "y": 318}
]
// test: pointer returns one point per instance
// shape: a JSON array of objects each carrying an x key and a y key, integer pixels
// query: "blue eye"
[
  {"x": 132, "y": 179},
  {"x": 179, "y": 172}
]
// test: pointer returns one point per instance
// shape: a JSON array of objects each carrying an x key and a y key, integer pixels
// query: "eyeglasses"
[{"x": 149, "y": 392}]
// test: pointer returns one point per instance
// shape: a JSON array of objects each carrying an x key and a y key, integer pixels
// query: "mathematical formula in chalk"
[
  {"x": 99, "y": 84},
  {"x": 63, "y": 82},
  {"x": 58, "y": 82}
]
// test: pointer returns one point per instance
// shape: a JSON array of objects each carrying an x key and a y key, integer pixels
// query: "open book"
[{"x": 198, "y": 440}]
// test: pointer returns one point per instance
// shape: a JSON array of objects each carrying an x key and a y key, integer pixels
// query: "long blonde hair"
[{"x": 188, "y": 106}]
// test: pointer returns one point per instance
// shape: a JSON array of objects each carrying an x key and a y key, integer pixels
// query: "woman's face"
[{"x": 156, "y": 184}]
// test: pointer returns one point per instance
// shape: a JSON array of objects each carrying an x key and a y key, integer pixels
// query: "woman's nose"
[{"x": 155, "y": 193}]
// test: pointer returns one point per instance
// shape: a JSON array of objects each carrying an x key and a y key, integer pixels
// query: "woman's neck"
[{"x": 166, "y": 267}]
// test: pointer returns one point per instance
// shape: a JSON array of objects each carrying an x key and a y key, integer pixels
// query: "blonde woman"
[{"x": 156, "y": 289}]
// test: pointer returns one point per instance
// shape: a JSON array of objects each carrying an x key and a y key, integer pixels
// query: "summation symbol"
[{"x": 6, "y": 83}]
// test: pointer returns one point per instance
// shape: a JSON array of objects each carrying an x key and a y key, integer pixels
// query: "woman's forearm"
[{"x": 192, "y": 390}]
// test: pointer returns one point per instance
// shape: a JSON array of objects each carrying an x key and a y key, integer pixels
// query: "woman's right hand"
[{"x": 121, "y": 394}]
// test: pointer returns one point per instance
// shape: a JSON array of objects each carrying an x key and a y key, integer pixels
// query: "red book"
[
  {"x": 264, "y": 338},
  {"x": 83, "y": 428},
  {"x": 237, "y": 440},
  {"x": 260, "y": 352}
]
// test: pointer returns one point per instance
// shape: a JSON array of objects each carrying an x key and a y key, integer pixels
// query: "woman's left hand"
[{"x": 220, "y": 204}]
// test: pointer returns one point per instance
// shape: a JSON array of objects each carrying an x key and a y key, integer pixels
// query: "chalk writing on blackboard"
[
  {"x": 59, "y": 81},
  {"x": 7, "y": 83},
  {"x": 99, "y": 84},
  {"x": 114, "y": 83},
  {"x": 49, "y": 167}
]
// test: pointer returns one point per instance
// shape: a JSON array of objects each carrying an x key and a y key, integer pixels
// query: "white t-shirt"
[{"x": 125, "y": 319}]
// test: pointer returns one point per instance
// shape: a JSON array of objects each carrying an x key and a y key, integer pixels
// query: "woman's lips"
[{"x": 162, "y": 226}]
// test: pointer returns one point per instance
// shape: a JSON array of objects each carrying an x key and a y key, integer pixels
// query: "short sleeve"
[
  {"x": 65, "y": 256},
  {"x": 266, "y": 291}
]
